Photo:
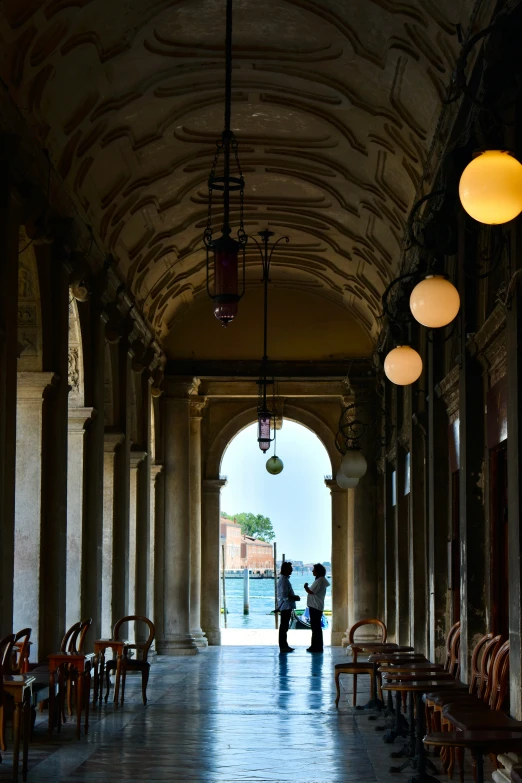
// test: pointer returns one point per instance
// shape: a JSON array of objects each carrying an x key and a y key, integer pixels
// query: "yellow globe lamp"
[
  {"x": 434, "y": 302},
  {"x": 490, "y": 187},
  {"x": 403, "y": 365}
]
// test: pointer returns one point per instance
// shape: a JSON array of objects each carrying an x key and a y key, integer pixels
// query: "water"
[{"x": 262, "y": 601}]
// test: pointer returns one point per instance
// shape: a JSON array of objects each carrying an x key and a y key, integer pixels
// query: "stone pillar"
[
  {"x": 418, "y": 553},
  {"x": 210, "y": 543},
  {"x": 136, "y": 457},
  {"x": 155, "y": 470},
  {"x": 196, "y": 409},
  {"x": 76, "y": 433},
  {"x": 9, "y": 228},
  {"x": 340, "y": 558},
  {"x": 111, "y": 442},
  {"x": 28, "y": 504},
  {"x": 176, "y": 638}
]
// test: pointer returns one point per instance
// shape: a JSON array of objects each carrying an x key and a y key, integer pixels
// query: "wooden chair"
[
  {"x": 132, "y": 664},
  {"x": 355, "y": 667},
  {"x": 6, "y": 656}
]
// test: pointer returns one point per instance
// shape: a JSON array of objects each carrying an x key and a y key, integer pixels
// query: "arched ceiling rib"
[{"x": 334, "y": 106}]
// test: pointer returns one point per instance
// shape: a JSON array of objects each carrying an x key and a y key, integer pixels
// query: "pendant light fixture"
[
  {"x": 224, "y": 251},
  {"x": 353, "y": 464},
  {"x": 434, "y": 302},
  {"x": 264, "y": 415},
  {"x": 403, "y": 365},
  {"x": 490, "y": 187}
]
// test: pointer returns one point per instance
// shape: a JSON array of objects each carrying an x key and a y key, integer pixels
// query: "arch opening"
[{"x": 292, "y": 510}]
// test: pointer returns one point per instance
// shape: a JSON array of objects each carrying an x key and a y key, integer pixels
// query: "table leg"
[
  {"x": 375, "y": 703},
  {"x": 401, "y": 727},
  {"x": 102, "y": 674},
  {"x": 27, "y": 731},
  {"x": 479, "y": 760},
  {"x": 96, "y": 661},
  {"x": 16, "y": 738},
  {"x": 117, "y": 682},
  {"x": 79, "y": 703},
  {"x": 409, "y": 748},
  {"x": 421, "y": 775},
  {"x": 52, "y": 699},
  {"x": 87, "y": 699}
]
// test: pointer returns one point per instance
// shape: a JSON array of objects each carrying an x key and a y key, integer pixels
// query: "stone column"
[
  {"x": 28, "y": 503},
  {"x": 340, "y": 559},
  {"x": 196, "y": 409},
  {"x": 210, "y": 542},
  {"x": 9, "y": 228},
  {"x": 112, "y": 440},
  {"x": 176, "y": 638},
  {"x": 136, "y": 457},
  {"x": 155, "y": 470},
  {"x": 73, "y": 590}
]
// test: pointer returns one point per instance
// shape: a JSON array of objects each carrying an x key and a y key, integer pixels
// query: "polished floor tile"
[{"x": 228, "y": 714}]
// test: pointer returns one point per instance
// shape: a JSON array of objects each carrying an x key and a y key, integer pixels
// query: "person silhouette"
[
  {"x": 315, "y": 602},
  {"x": 286, "y": 599}
]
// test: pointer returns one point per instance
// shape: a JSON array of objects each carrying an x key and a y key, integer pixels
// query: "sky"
[{"x": 297, "y": 500}]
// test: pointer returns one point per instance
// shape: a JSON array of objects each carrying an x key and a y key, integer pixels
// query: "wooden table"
[
  {"x": 374, "y": 647},
  {"x": 417, "y": 727},
  {"x": 19, "y": 687},
  {"x": 100, "y": 645},
  {"x": 81, "y": 664},
  {"x": 479, "y": 742}
]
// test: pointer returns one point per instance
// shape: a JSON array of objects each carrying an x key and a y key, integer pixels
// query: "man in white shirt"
[
  {"x": 315, "y": 602},
  {"x": 286, "y": 599}
]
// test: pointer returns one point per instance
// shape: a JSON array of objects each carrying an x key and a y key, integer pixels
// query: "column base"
[
  {"x": 181, "y": 646},
  {"x": 337, "y": 637},
  {"x": 199, "y": 638},
  {"x": 213, "y": 637}
]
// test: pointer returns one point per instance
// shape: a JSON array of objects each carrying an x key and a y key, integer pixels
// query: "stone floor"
[{"x": 229, "y": 714}]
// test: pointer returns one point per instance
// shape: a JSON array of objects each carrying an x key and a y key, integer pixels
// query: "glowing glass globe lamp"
[
  {"x": 353, "y": 464},
  {"x": 403, "y": 365},
  {"x": 490, "y": 187},
  {"x": 344, "y": 482},
  {"x": 434, "y": 302},
  {"x": 274, "y": 465}
]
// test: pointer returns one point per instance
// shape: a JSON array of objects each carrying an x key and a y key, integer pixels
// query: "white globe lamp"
[
  {"x": 353, "y": 464},
  {"x": 403, "y": 365},
  {"x": 434, "y": 302},
  {"x": 344, "y": 482},
  {"x": 490, "y": 187}
]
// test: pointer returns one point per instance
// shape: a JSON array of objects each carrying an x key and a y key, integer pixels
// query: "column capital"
[
  {"x": 333, "y": 486},
  {"x": 182, "y": 387},
  {"x": 136, "y": 457},
  {"x": 214, "y": 485},
  {"x": 78, "y": 417},
  {"x": 197, "y": 405},
  {"x": 31, "y": 385},
  {"x": 155, "y": 470},
  {"x": 111, "y": 441}
]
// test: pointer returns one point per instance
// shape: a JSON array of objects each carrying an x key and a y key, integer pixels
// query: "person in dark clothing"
[
  {"x": 286, "y": 599},
  {"x": 315, "y": 602}
]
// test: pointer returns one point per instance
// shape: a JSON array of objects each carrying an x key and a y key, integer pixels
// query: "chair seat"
[
  {"x": 359, "y": 666},
  {"x": 484, "y": 719},
  {"x": 460, "y": 688},
  {"x": 129, "y": 663},
  {"x": 446, "y": 697}
]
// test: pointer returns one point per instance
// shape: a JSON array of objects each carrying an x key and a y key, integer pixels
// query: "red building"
[{"x": 244, "y": 551}]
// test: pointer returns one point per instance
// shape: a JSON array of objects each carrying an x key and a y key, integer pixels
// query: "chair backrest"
[
  {"x": 380, "y": 625},
  {"x": 144, "y": 647},
  {"x": 449, "y": 641},
  {"x": 79, "y": 638},
  {"x": 486, "y": 667},
  {"x": 499, "y": 677},
  {"x": 20, "y": 655},
  {"x": 6, "y": 652},
  {"x": 66, "y": 641},
  {"x": 454, "y": 658},
  {"x": 476, "y": 682}
]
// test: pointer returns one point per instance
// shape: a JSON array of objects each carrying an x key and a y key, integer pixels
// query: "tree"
[{"x": 255, "y": 525}]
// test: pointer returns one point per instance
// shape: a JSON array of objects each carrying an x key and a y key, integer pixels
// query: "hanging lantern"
[
  {"x": 344, "y": 482},
  {"x": 490, "y": 187},
  {"x": 434, "y": 302},
  {"x": 274, "y": 465},
  {"x": 226, "y": 289},
  {"x": 403, "y": 365},
  {"x": 353, "y": 464},
  {"x": 264, "y": 418}
]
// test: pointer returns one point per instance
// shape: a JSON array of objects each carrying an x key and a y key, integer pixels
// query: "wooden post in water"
[
  {"x": 246, "y": 591},
  {"x": 275, "y": 586},
  {"x": 224, "y": 586}
]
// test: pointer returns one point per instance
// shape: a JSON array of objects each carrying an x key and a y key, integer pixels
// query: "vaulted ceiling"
[{"x": 335, "y": 103}]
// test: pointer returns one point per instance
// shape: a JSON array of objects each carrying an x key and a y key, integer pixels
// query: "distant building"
[
  {"x": 256, "y": 555},
  {"x": 231, "y": 537},
  {"x": 244, "y": 551}
]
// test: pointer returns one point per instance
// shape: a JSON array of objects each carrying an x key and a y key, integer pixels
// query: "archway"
[
  {"x": 296, "y": 502},
  {"x": 321, "y": 421}
]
